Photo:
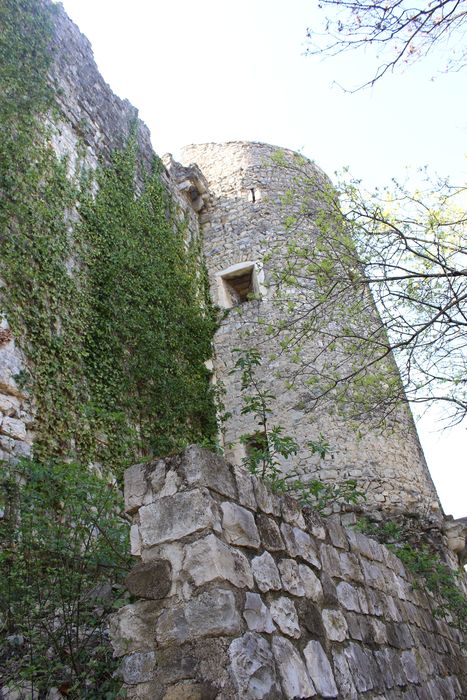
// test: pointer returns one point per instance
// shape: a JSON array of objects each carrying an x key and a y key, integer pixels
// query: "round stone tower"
[{"x": 254, "y": 191}]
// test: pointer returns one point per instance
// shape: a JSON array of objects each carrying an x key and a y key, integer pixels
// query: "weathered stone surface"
[
  {"x": 138, "y": 667},
  {"x": 257, "y": 615},
  {"x": 315, "y": 523},
  {"x": 290, "y": 576},
  {"x": 285, "y": 616},
  {"x": 189, "y": 690},
  {"x": 269, "y": 533},
  {"x": 330, "y": 560},
  {"x": 362, "y": 667},
  {"x": 410, "y": 666},
  {"x": 253, "y": 668},
  {"x": 335, "y": 625},
  {"x": 239, "y": 526},
  {"x": 210, "y": 559},
  {"x": 295, "y": 679},
  {"x": 135, "y": 541},
  {"x": 348, "y": 596},
  {"x": 329, "y": 590},
  {"x": 132, "y": 627},
  {"x": 300, "y": 544},
  {"x": 211, "y": 613},
  {"x": 385, "y": 662},
  {"x": 319, "y": 670},
  {"x": 337, "y": 534},
  {"x": 311, "y": 583},
  {"x": 267, "y": 501},
  {"x": 343, "y": 675},
  {"x": 379, "y": 631},
  {"x": 14, "y": 428},
  {"x": 350, "y": 566},
  {"x": 135, "y": 487},
  {"x": 244, "y": 482},
  {"x": 266, "y": 573},
  {"x": 200, "y": 467},
  {"x": 292, "y": 512},
  {"x": 152, "y": 580},
  {"x": 174, "y": 517}
]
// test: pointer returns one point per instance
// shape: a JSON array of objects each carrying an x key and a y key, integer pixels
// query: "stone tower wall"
[
  {"x": 241, "y": 595},
  {"x": 244, "y": 222}
]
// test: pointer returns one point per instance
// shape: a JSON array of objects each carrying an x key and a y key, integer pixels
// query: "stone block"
[
  {"x": 362, "y": 667},
  {"x": 267, "y": 501},
  {"x": 296, "y": 682},
  {"x": 132, "y": 627},
  {"x": 290, "y": 576},
  {"x": 136, "y": 487},
  {"x": 350, "y": 566},
  {"x": 269, "y": 533},
  {"x": 343, "y": 676},
  {"x": 14, "y": 428},
  {"x": 330, "y": 560},
  {"x": 310, "y": 618},
  {"x": 9, "y": 405},
  {"x": 200, "y": 467},
  {"x": 409, "y": 665},
  {"x": 257, "y": 615},
  {"x": 348, "y": 596},
  {"x": 244, "y": 482},
  {"x": 210, "y": 614},
  {"x": 266, "y": 573},
  {"x": 319, "y": 670},
  {"x": 253, "y": 668},
  {"x": 300, "y": 544},
  {"x": 209, "y": 559},
  {"x": 239, "y": 526},
  {"x": 284, "y": 614},
  {"x": 174, "y": 517},
  {"x": 189, "y": 690},
  {"x": 292, "y": 511},
  {"x": 335, "y": 625},
  {"x": 337, "y": 534},
  {"x": 151, "y": 581},
  {"x": 135, "y": 541},
  {"x": 314, "y": 523},
  {"x": 138, "y": 667},
  {"x": 311, "y": 583}
]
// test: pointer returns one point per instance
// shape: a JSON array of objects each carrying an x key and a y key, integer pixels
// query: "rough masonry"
[{"x": 241, "y": 594}]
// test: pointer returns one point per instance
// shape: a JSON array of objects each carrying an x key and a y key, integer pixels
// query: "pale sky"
[{"x": 224, "y": 71}]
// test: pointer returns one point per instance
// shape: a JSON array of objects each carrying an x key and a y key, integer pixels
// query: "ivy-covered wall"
[{"x": 103, "y": 295}]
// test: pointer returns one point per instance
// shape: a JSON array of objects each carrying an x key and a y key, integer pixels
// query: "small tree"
[
  {"x": 383, "y": 276},
  {"x": 268, "y": 449},
  {"x": 400, "y": 32},
  {"x": 63, "y": 557}
]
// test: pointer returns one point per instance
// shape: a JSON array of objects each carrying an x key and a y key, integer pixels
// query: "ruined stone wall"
[
  {"x": 245, "y": 221},
  {"x": 240, "y": 594}
]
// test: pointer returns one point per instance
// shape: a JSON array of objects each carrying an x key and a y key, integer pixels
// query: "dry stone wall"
[{"x": 241, "y": 594}]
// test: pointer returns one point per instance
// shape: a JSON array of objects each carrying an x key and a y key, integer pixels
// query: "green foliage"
[
  {"x": 268, "y": 448},
  {"x": 151, "y": 324},
  {"x": 426, "y": 566},
  {"x": 61, "y": 569},
  {"x": 102, "y": 294}
]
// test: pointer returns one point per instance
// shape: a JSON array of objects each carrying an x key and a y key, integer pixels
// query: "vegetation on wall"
[{"x": 100, "y": 289}]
